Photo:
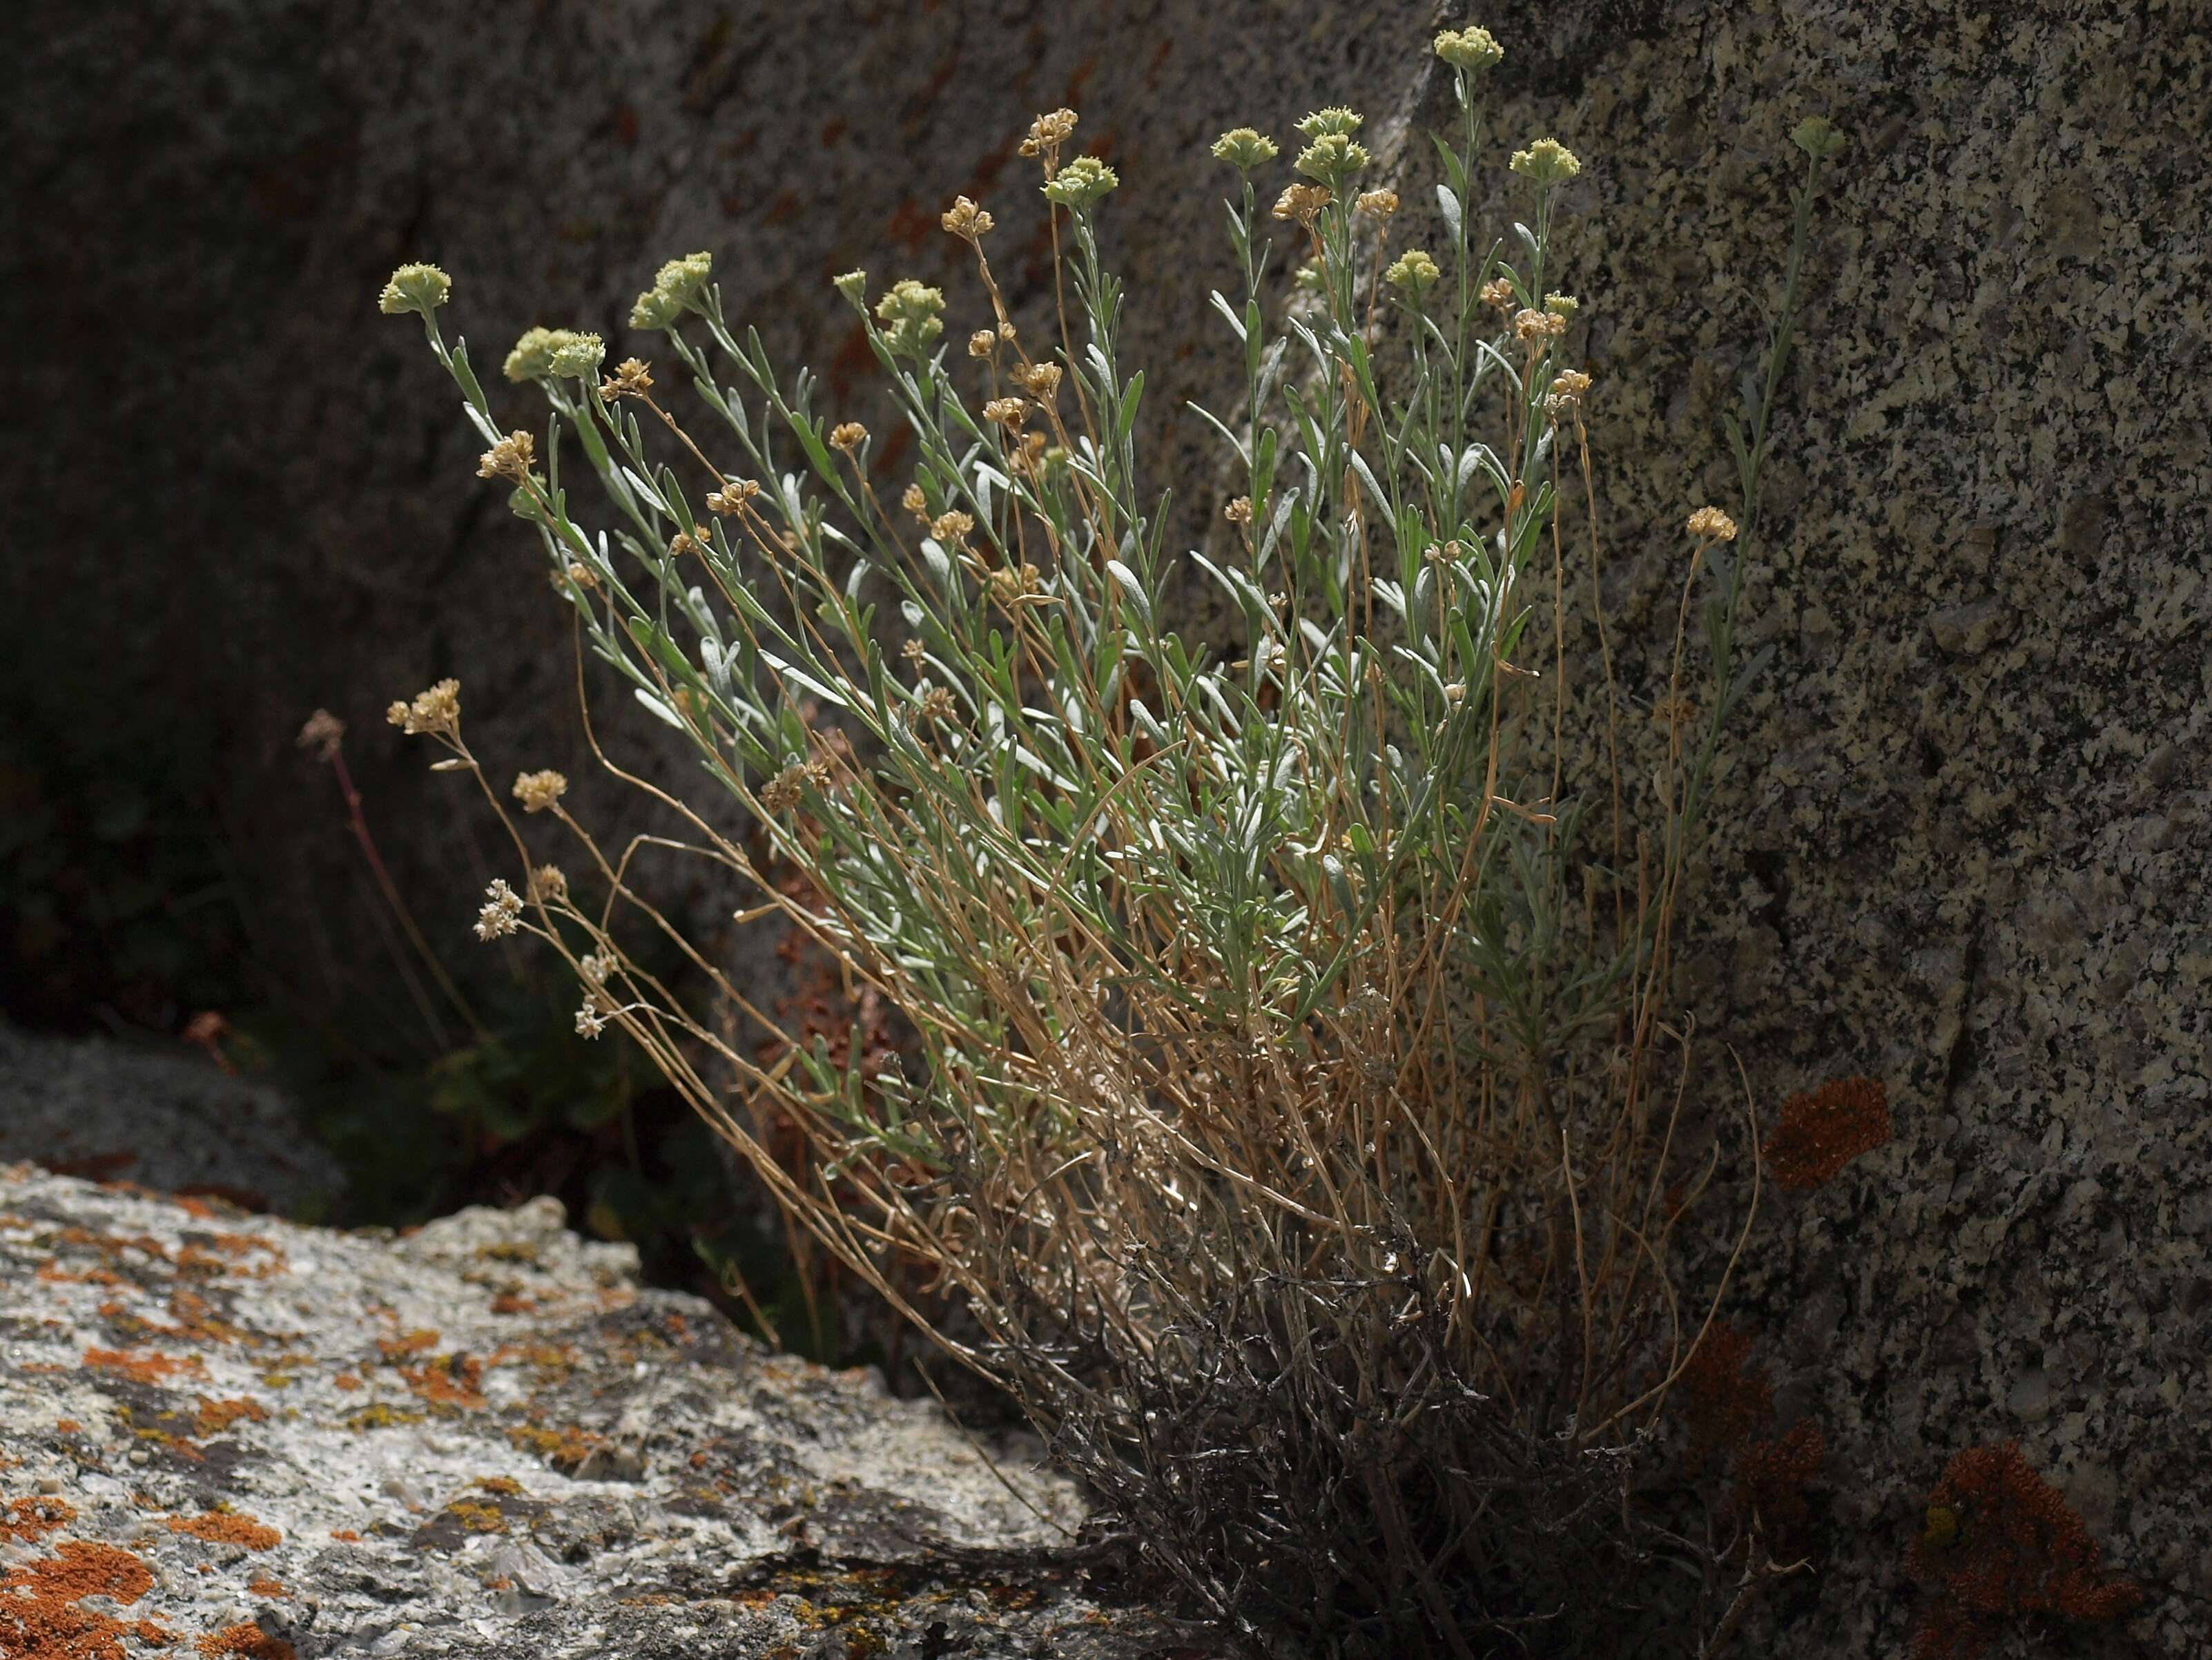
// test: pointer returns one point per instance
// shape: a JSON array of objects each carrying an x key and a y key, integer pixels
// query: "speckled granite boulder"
[
  {"x": 241, "y": 1436},
  {"x": 158, "y": 1115}
]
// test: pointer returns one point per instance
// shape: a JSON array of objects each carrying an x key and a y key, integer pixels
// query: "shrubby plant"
[{"x": 1289, "y": 1093}]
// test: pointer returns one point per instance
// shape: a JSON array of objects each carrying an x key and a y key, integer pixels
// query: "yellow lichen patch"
[
  {"x": 563, "y": 1449},
  {"x": 505, "y": 1486},
  {"x": 477, "y": 1517},
  {"x": 220, "y": 1527},
  {"x": 381, "y": 1415}
]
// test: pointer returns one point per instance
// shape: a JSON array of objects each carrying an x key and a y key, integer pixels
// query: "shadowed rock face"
[
  {"x": 1961, "y": 838},
  {"x": 481, "y": 1440}
]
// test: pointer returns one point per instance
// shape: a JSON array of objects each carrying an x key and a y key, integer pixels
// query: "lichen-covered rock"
[{"x": 242, "y": 1436}]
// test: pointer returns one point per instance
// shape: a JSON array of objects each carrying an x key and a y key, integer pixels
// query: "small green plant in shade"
[{"x": 1291, "y": 1102}]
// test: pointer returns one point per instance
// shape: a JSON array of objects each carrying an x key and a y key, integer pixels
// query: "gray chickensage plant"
[{"x": 1285, "y": 1092}]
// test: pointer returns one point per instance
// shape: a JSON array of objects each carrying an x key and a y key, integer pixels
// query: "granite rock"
[{"x": 252, "y": 1438}]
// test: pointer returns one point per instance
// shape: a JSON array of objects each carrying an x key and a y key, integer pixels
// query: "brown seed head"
[
  {"x": 915, "y": 502},
  {"x": 436, "y": 710},
  {"x": 966, "y": 220},
  {"x": 1378, "y": 204},
  {"x": 323, "y": 733},
  {"x": 1007, "y": 411},
  {"x": 847, "y": 435},
  {"x": 1711, "y": 525},
  {"x": 538, "y": 791},
  {"x": 733, "y": 494},
  {"x": 509, "y": 459},
  {"x": 1302, "y": 202},
  {"x": 1238, "y": 512},
  {"x": 951, "y": 526},
  {"x": 1498, "y": 292},
  {"x": 982, "y": 342},
  {"x": 1040, "y": 381}
]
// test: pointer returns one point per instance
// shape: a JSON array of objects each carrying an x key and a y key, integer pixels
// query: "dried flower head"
[
  {"x": 509, "y": 459},
  {"x": 1821, "y": 1131},
  {"x": 538, "y": 791},
  {"x": 1048, "y": 133},
  {"x": 1413, "y": 273},
  {"x": 549, "y": 885},
  {"x": 1081, "y": 184},
  {"x": 501, "y": 913},
  {"x": 1303, "y": 203},
  {"x": 938, "y": 707},
  {"x": 1007, "y": 411},
  {"x": 416, "y": 288},
  {"x": 1040, "y": 381},
  {"x": 786, "y": 790},
  {"x": 1711, "y": 525},
  {"x": 1538, "y": 325},
  {"x": 733, "y": 494},
  {"x": 323, "y": 733},
  {"x": 1239, "y": 511},
  {"x": 1012, "y": 584},
  {"x": 915, "y": 502},
  {"x": 436, "y": 710},
  {"x": 1471, "y": 50},
  {"x": 965, "y": 220},
  {"x": 912, "y": 315},
  {"x": 951, "y": 526},
  {"x": 847, "y": 436},
  {"x": 596, "y": 968},
  {"x": 1568, "y": 386},
  {"x": 684, "y": 542},
  {"x": 582, "y": 575},
  {"x": 590, "y": 1023},
  {"x": 1498, "y": 292},
  {"x": 1547, "y": 161},
  {"x": 1674, "y": 713},
  {"x": 1331, "y": 159},
  {"x": 1818, "y": 137},
  {"x": 982, "y": 342},
  {"x": 1378, "y": 204},
  {"x": 913, "y": 651},
  {"x": 1244, "y": 149},
  {"x": 632, "y": 379},
  {"x": 1334, "y": 122}
]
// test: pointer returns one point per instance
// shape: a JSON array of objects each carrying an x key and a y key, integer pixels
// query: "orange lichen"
[
  {"x": 41, "y": 1612},
  {"x": 246, "y": 1642},
  {"x": 346, "y": 1380},
  {"x": 262, "y": 1585},
  {"x": 1723, "y": 1399},
  {"x": 145, "y": 1368},
  {"x": 2002, "y": 1544},
  {"x": 394, "y": 1349},
  {"x": 452, "y": 1380},
  {"x": 1772, "y": 1474},
  {"x": 27, "y": 1519},
  {"x": 220, "y": 1527},
  {"x": 345, "y": 1535},
  {"x": 509, "y": 1303},
  {"x": 1821, "y": 1131},
  {"x": 215, "y": 1416},
  {"x": 67, "y": 1426}
]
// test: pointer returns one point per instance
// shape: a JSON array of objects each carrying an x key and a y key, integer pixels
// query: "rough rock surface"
[
  {"x": 257, "y": 1439},
  {"x": 102, "y": 1108}
]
